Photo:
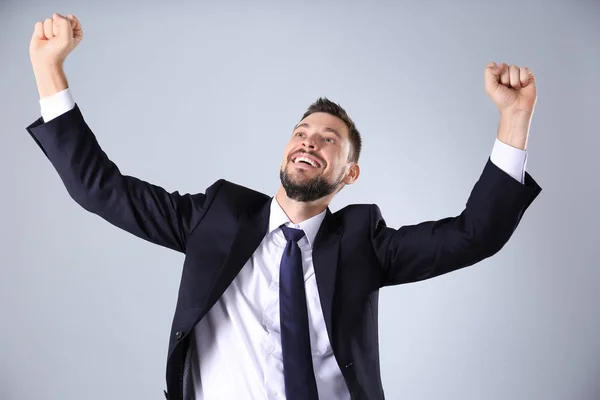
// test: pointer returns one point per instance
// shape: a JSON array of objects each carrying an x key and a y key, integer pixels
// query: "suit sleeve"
[
  {"x": 416, "y": 252},
  {"x": 96, "y": 184}
]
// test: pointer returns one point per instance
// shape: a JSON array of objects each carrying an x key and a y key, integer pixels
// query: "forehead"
[{"x": 324, "y": 122}]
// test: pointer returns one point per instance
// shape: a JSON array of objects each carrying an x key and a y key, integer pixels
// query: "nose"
[{"x": 309, "y": 142}]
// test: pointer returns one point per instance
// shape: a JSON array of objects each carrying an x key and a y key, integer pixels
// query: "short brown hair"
[{"x": 327, "y": 106}]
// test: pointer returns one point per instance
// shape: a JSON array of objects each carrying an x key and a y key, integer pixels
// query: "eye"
[
  {"x": 299, "y": 134},
  {"x": 330, "y": 140}
]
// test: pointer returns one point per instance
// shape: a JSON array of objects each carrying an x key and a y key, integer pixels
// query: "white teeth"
[{"x": 308, "y": 160}]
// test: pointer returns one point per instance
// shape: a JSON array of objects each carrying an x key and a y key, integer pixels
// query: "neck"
[{"x": 298, "y": 211}]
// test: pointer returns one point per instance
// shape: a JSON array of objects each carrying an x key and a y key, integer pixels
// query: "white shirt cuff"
[
  {"x": 56, "y": 105},
  {"x": 511, "y": 160}
]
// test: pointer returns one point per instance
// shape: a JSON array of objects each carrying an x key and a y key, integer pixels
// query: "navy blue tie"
[{"x": 298, "y": 373}]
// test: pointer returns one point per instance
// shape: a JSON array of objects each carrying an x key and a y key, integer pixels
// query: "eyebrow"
[{"x": 326, "y": 129}]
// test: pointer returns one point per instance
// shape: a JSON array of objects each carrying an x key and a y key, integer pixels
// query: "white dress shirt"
[{"x": 238, "y": 342}]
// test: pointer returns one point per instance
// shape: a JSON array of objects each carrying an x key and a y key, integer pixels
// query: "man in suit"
[{"x": 278, "y": 296}]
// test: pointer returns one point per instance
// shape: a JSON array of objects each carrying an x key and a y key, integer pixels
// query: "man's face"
[{"x": 315, "y": 162}]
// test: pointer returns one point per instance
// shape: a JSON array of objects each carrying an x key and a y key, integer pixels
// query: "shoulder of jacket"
[
  {"x": 353, "y": 210},
  {"x": 237, "y": 195}
]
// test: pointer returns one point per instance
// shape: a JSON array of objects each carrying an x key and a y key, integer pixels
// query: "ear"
[{"x": 352, "y": 174}]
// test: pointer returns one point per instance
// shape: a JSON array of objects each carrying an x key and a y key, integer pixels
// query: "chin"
[
  {"x": 296, "y": 177},
  {"x": 302, "y": 175}
]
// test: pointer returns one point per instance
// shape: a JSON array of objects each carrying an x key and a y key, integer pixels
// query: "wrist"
[
  {"x": 513, "y": 128},
  {"x": 516, "y": 115},
  {"x": 50, "y": 78}
]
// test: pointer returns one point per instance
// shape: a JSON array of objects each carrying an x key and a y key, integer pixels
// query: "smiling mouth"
[{"x": 306, "y": 160}]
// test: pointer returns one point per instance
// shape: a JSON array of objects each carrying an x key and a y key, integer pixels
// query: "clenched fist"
[
  {"x": 53, "y": 39},
  {"x": 511, "y": 88}
]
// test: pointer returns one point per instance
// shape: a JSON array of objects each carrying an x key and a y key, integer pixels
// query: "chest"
[
  {"x": 251, "y": 300},
  {"x": 256, "y": 287}
]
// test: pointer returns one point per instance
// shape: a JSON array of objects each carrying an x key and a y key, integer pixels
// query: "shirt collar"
[{"x": 310, "y": 226}]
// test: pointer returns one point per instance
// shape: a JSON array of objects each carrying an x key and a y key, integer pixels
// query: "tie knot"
[{"x": 292, "y": 234}]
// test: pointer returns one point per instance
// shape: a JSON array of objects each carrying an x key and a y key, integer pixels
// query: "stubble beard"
[{"x": 309, "y": 189}]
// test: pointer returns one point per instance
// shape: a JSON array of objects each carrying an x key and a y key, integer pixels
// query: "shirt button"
[{"x": 274, "y": 285}]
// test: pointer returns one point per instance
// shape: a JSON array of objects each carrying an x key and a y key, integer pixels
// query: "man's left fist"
[{"x": 511, "y": 88}]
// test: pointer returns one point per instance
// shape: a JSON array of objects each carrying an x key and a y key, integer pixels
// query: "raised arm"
[
  {"x": 494, "y": 208},
  {"x": 90, "y": 177}
]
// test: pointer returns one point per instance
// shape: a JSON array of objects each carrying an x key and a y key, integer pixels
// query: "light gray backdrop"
[{"x": 183, "y": 93}]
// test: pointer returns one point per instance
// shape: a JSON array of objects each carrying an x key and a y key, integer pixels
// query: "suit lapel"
[
  {"x": 252, "y": 228},
  {"x": 325, "y": 260}
]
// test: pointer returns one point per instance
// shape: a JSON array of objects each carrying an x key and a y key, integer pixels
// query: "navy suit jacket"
[{"x": 355, "y": 253}]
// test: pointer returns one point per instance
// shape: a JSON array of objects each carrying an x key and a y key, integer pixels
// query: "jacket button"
[{"x": 178, "y": 335}]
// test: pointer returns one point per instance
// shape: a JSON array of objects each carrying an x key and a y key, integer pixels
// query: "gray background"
[{"x": 183, "y": 93}]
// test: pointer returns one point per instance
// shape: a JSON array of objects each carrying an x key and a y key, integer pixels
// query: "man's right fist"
[{"x": 54, "y": 38}]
